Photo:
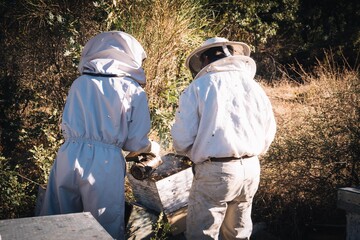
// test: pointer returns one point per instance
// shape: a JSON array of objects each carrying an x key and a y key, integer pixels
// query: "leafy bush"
[{"x": 16, "y": 195}]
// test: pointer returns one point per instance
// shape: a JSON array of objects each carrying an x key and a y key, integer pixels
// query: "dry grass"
[
  {"x": 168, "y": 30},
  {"x": 315, "y": 152}
]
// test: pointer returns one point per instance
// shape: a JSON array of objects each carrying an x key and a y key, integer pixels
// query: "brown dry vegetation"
[{"x": 315, "y": 152}]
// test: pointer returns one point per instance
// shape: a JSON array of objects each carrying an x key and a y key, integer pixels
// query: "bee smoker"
[{"x": 144, "y": 165}]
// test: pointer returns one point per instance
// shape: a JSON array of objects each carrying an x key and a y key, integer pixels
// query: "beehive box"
[
  {"x": 349, "y": 200},
  {"x": 167, "y": 190},
  {"x": 56, "y": 227}
]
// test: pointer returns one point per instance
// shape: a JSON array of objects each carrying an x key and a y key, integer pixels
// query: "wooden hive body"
[
  {"x": 168, "y": 194},
  {"x": 166, "y": 191}
]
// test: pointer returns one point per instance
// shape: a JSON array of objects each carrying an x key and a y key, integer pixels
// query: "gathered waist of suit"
[{"x": 92, "y": 142}]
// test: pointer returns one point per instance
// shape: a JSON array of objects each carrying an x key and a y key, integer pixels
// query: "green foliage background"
[{"x": 41, "y": 42}]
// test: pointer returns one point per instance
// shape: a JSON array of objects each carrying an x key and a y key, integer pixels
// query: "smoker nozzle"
[{"x": 145, "y": 167}]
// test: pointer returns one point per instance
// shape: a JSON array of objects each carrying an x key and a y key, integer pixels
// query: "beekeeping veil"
[
  {"x": 113, "y": 53},
  {"x": 193, "y": 61}
]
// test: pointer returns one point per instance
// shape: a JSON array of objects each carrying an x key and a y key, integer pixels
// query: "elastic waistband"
[
  {"x": 91, "y": 142},
  {"x": 229, "y": 159}
]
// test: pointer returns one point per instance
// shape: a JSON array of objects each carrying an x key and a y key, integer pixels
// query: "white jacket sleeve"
[
  {"x": 138, "y": 124},
  {"x": 185, "y": 128}
]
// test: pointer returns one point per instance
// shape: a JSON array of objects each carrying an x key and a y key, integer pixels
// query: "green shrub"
[{"x": 16, "y": 200}]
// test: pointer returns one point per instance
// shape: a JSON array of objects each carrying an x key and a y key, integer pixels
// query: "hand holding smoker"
[{"x": 145, "y": 163}]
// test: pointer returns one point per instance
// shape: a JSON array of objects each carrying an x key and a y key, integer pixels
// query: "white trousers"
[
  {"x": 220, "y": 200},
  {"x": 88, "y": 176}
]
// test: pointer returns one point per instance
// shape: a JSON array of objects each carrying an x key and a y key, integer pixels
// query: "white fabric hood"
[{"x": 114, "y": 53}]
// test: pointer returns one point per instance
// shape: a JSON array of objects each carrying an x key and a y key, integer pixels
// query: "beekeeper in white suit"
[
  {"x": 223, "y": 123},
  {"x": 106, "y": 112}
]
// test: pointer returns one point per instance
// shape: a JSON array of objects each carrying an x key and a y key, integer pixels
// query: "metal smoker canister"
[{"x": 143, "y": 169}]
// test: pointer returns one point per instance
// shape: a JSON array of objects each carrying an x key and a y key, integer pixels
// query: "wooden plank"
[
  {"x": 352, "y": 226},
  {"x": 140, "y": 224},
  {"x": 177, "y": 220},
  {"x": 56, "y": 227},
  {"x": 349, "y": 199},
  {"x": 174, "y": 190},
  {"x": 145, "y": 193},
  {"x": 351, "y": 195}
]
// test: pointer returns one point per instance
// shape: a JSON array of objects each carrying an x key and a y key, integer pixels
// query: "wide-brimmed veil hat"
[{"x": 193, "y": 60}]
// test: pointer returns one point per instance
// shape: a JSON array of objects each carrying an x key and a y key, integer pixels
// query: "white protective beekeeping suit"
[
  {"x": 223, "y": 114},
  {"x": 106, "y": 111}
]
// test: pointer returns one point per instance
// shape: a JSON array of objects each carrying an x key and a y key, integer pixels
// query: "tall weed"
[{"x": 315, "y": 152}]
